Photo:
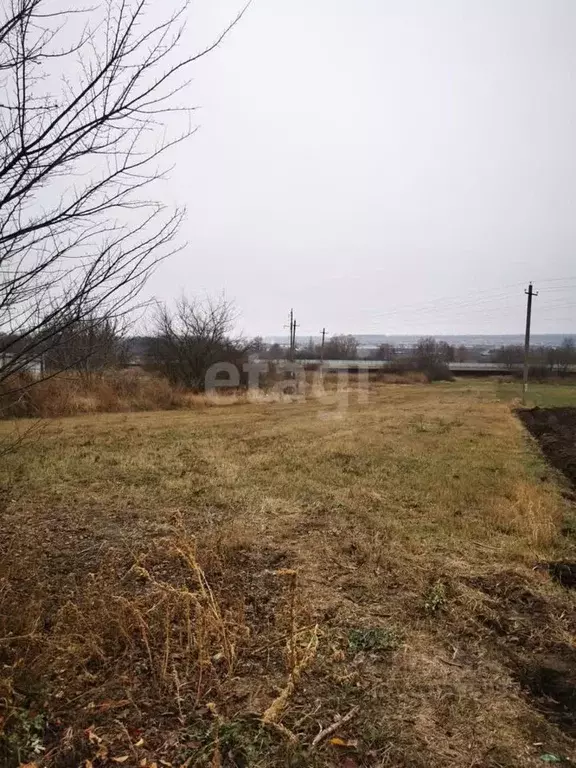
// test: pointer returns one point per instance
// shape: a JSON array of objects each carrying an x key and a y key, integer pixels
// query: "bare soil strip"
[{"x": 555, "y": 430}]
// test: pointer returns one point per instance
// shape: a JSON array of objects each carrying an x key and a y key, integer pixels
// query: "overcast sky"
[{"x": 383, "y": 166}]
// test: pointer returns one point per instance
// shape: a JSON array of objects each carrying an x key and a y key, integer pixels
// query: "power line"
[{"x": 479, "y": 297}]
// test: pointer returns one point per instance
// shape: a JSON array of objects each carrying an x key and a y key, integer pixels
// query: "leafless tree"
[
  {"x": 83, "y": 100},
  {"x": 566, "y": 355},
  {"x": 426, "y": 352},
  {"x": 257, "y": 346},
  {"x": 510, "y": 355},
  {"x": 310, "y": 351},
  {"x": 188, "y": 340},
  {"x": 429, "y": 352},
  {"x": 432, "y": 357},
  {"x": 89, "y": 346},
  {"x": 446, "y": 352},
  {"x": 385, "y": 352},
  {"x": 276, "y": 352},
  {"x": 557, "y": 359},
  {"x": 344, "y": 347},
  {"x": 462, "y": 354}
]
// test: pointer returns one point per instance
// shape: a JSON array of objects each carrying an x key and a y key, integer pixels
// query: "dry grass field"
[{"x": 287, "y": 584}]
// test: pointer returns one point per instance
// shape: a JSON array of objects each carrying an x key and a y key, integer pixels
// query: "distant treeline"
[{"x": 186, "y": 340}]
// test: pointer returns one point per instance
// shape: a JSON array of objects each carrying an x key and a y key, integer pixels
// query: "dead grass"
[
  {"x": 70, "y": 394},
  {"x": 127, "y": 390},
  {"x": 526, "y": 511},
  {"x": 408, "y": 377},
  {"x": 216, "y": 586}
]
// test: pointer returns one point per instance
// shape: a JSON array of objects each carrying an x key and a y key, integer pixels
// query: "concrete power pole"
[
  {"x": 530, "y": 293},
  {"x": 292, "y": 336},
  {"x": 322, "y": 345},
  {"x": 294, "y": 326}
]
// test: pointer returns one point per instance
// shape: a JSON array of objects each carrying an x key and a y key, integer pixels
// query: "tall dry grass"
[
  {"x": 405, "y": 377},
  {"x": 157, "y": 631},
  {"x": 69, "y": 394},
  {"x": 117, "y": 391},
  {"x": 528, "y": 511}
]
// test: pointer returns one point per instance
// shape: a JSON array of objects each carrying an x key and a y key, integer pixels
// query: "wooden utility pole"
[
  {"x": 530, "y": 293},
  {"x": 322, "y": 345}
]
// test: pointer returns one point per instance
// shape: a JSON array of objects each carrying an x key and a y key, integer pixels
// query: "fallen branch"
[
  {"x": 451, "y": 663},
  {"x": 325, "y": 732}
]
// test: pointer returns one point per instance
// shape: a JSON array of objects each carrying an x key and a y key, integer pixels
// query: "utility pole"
[
  {"x": 530, "y": 293},
  {"x": 294, "y": 326},
  {"x": 292, "y": 347},
  {"x": 292, "y": 332},
  {"x": 322, "y": 345}
]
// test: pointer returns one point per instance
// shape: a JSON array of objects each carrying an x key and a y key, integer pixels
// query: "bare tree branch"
[
  {"x": 192, "y": 337},
  {"x": 81, "y": 137}
]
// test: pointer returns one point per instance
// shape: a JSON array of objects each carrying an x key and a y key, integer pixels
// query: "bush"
[{"x": 438, "y": 372}]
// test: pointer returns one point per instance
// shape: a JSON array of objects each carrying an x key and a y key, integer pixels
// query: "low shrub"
[{"x": 438, "y": 372}]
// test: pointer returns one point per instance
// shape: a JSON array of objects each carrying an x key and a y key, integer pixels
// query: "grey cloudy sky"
[{"x": 360, "y": 160}]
